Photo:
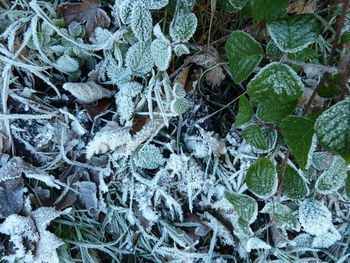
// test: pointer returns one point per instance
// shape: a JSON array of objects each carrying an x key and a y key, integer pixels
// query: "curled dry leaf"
[
  {"x": 87, "y": 92},
  {"x": 88, "y": 12}
]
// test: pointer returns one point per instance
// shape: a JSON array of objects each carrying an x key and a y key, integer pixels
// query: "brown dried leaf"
[
  {"x": 302, "y": 7},
  {"x": 88, "y": 12},
  {"x": 98, "y": 107}
]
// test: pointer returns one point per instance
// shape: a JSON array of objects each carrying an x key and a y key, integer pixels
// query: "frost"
[
  {"x": 315, "y": 218},
  {"x": 282, "y": 214},
  {"x": 75, "y": 29},
  {"x": 125, "y": 107},
  {"x": 181, "y": 49},
  {"x": 131, "y": 89},
  {"x": 245, "y": 206},
  {"x": 332, "y": 179},
  {"x": 179, "y": 106},
  {"x": 67, "y": 64},
  {"x": 178, "y": 90},
  {"x": 183, "y": 27},
  {"x": 141, "y": 21},
  {"x": 161, "y": 53},
  {"x": 333, "y": 128},
  {"x": 125, "y": 10},
  {"x": 156, "y": 4},
  {"x": 32, "y": 243},
  {"x": 148, "y": 157},
  {"x": 119, "y": 76},
  {"x": 87, "y": 196},
  {"x": 139, "y": 58},
  {"x": 256, "y": 243},
  {"x": 108, "y": 139},
  {"x": 87, "y": 92},
  {"x": 322, "y": 160},
  {"x": 101, "y": 36},
  {"x": 326, "y": 239}
]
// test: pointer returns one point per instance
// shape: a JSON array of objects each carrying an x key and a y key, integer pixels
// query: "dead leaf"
[
  {"x": 88, "y": 12},
  {"x": 302, "y": 7},
  {"x": 98, "y": 107},
  {"x": 11, "y": 187}
]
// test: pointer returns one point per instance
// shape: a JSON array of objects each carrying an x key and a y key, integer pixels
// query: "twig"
[
  {"x": 283, "y": 170},
  {"x": 345, "y": 68}
]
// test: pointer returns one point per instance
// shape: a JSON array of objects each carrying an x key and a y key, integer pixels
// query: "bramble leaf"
[
  {"x": 254, "y": 135},
  {"x": 245, "y": 206},
  {"x": 262, "y": 178},
  {"x": 270, "y": 112},
  {"x": 244, "y": 54},
  {"x": 161, "y": 53},
  {"x": 332, "y": 179},
  {"x": 298, "y": 132},
  {"x": 245, "y": 111},
  {"x": 333, "y": 128},
  {"x": 294, "y": 33},
  {"x": 294, "y": 186},
  {"x": 183, "y": 27},
  {"x": 139, "y": 58},
  {"x": 141, "y": 21},
  {"x": 148, "y": 156},
  {"x": 267, "y": 9}
]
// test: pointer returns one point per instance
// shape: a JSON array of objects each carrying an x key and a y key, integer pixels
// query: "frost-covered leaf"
[
  {"x": 332, "y": 179},
  {"x": 181, "y": 49},
  {"x": 322, "y": 160},
  {"x": 67, "y": 64},
  {"x": 283, "y": 215},
  {"x": 141, "y": 21},
  {"x": 75, "y": 29},
  {"x": 132, "y": 88},
  {"x": 327, "y": 239},
  {"x": 294, "y": 186},
  {"x": 245, "y": 206},
  {"x": 244, "y": 54},
  {"x": 333, "y": 128},
  {"x": 276, "y": 84},
  {"x": 156, "y": 4},
  {"x": 183, "y": 27},
  {"x": 271, "y": 112},
  {"x": 87, "y": 92},
  {"x": 267, "y": 9},
  {"x": 256, "y": 243},
  {"x": 238, "y": 4},
  {"x": 314, "y": 217},
  {"x": 243, "y": 227},
  {"x": 297, "y": 133},
  {"x": 262, "y": 178},
  {"x": 161, "y": 53},
  {"x": 139, "y": 58},
  {"x": 179, "y": 90},
  {"x": 245, "y": 111},
  {"x": 11, "y": 187},
  {"x": 87, "y": 196},
  {"x": 294, "y": 33},
  {"x": 125, "y": 10},
  {"x": 347, "y": 186},
  {"x": 179, "y": 105},
  {"x": 119, "y": 76},
  {"x": 254, "y": 135},
  {"x": 148, "y": 156},
  {"x": 125, "y": 106},
  {"x": 32, "y": 243}
]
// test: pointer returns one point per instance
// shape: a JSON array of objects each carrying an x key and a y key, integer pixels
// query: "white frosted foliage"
[
  {"x": 314, "y": 217},
  {"x": 256, "y": 243},
  {"x": 332, "y": 179},
  {"x": 139, "y": 58},
  {"x": 67, "y": 64},
  {"x": 141, "y": 21},
  {"x": 148, "y": 156},
  {"x": 326, "y": 239},
  {"x": 161, "y": 53},
  {"x": 87, "y": 92},
  {"x": 183, "y": 27},
  {"x": 125, "y": 107}
]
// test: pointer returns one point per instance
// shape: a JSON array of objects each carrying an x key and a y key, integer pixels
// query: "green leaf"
[
  {"x": 297, "y": 133},
  {"x": 276, "y": 84},
  {"x": 332, "y": 179},
  {"x": 254, "y": 135},
  {"x": 294, "y": 33},
  {"x": 262, "y": 178},
  {"x": 139, "y": 58},
  {"x": 141, "y": 21},
  {"x": 179, "y": 105},
  {"x": 347, "y": 186},
  {"x": 266, "y": 9},
  {"x": 238, "y": 4},
  {"x": 243, "y": 227},
  {"x": 244, "y": 54},
  {"x": 226, "y": 5},
  {"x": 294, "y": 186},
  {"x": 269, "y": 112},
  {"x": 148, "y": 156},
  {"x": 283, "y": 215},
  {"x": 333, "y": 128},
  {"x": 161, "y": 53},
  {"x": 245, "y": 206},
  {"x": 245, "y": 111}
]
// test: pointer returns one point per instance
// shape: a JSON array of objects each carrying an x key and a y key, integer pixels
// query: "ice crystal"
[{"x": 315, "y": 218}]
